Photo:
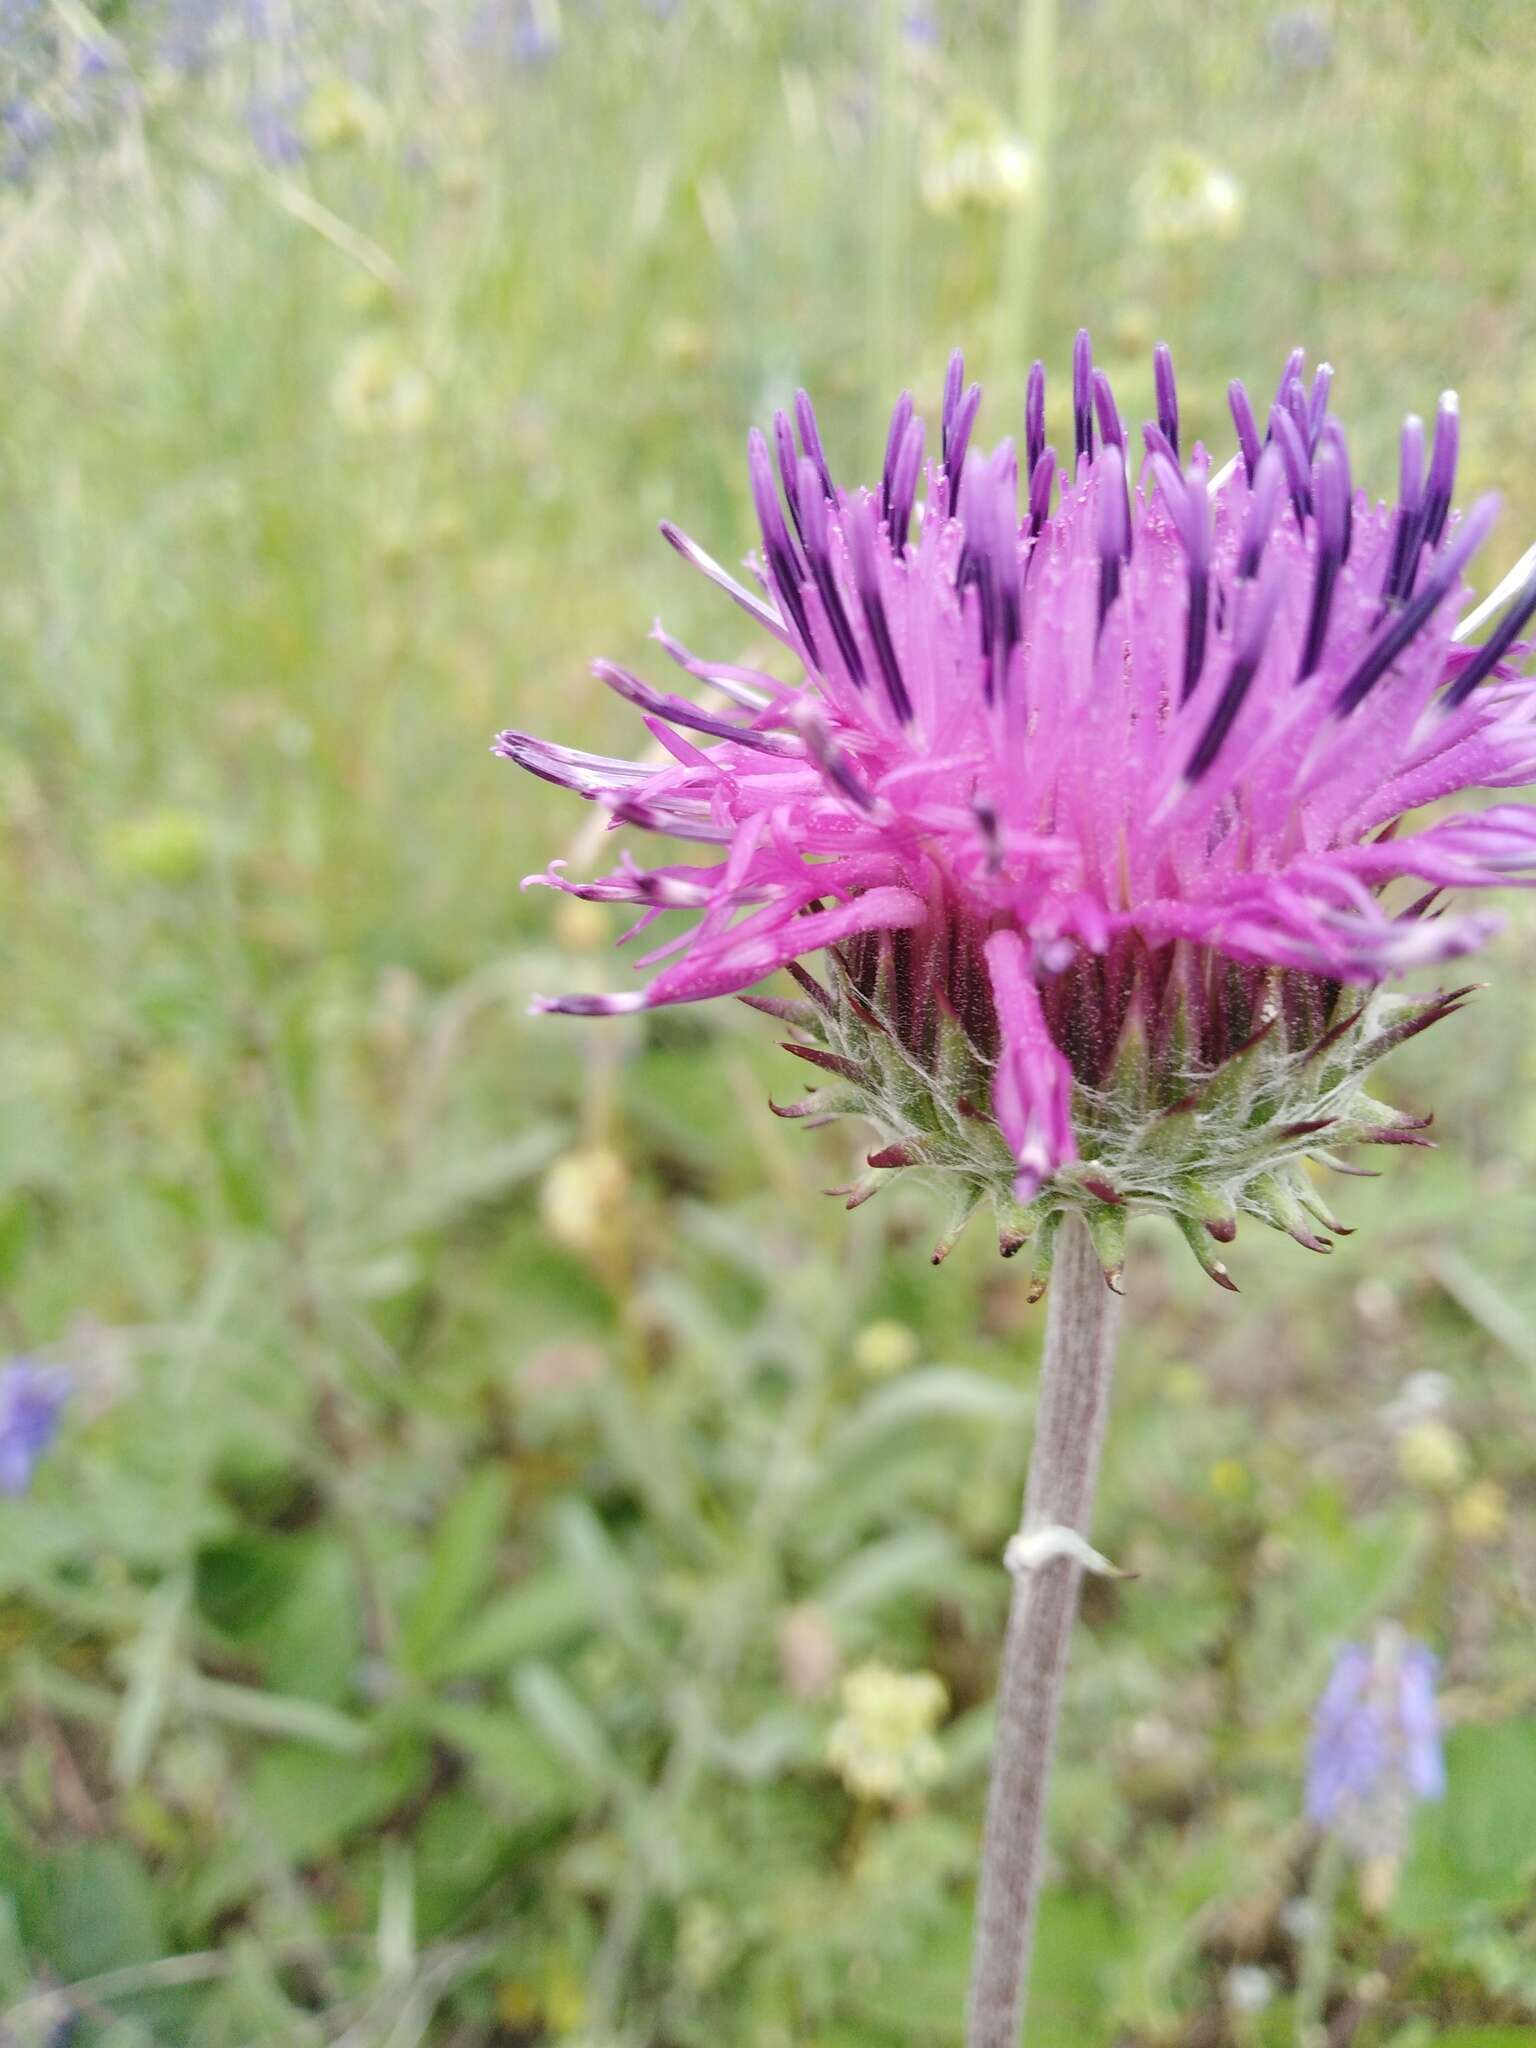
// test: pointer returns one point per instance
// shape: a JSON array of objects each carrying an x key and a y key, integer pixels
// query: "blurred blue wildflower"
[
  {"x": 523, "y": 33},
  {"x": 272, "y": 121},
  {"x": 31, "y": 1398},
  {"x": 1300, "y": 39},
  {"x": 1376, "y": 1751}
]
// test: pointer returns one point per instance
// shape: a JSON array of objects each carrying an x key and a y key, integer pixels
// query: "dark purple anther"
[
  {"x": 818, "y": 550},
  {"x": 810, "y": 442},
  {"x": 1034, "y": 416},
  {"x": 1112, "y": 524},
  {"x": 1110, "y": 427},
  {"x": 1410, "y": 621},
  {"x": 1335, "y": 438},
  {"x": 960, "y": 440},
  {"x": 680, "y": 711},
  {"x": 1317, "y": 409},
  {"x": 1167, "y": 392},
  {"x": 1082, "y": 395},
  {"x": 1287, "y": 437},
  {"x": 1442, "y": 468},
  {"x": 778, "y": 548},
  {"x": 1247, "y": 429},
  {"x": 784, "y": 449},
  {"x": 991, "y": 561},
  {"x": 1263, "y": 506},
  {"x": 1332, "y": 500},
  {"x": 1253, "y": 633},
  {"x": 954, "y": 384},
  {"x": 1495, "y": 647},
  {"x": 1189, "y": 507},
  {"x": 893, "y": 440},
  {"x": 1402, "y": 565},
  {"x": 909, "y": 464},
  {"x": 1042, "y": 477},
  {"x": 866, "y": 575},
  {"x": 1003, "y": 488}
]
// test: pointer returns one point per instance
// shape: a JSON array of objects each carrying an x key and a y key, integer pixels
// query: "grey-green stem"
[{"x": 1082, "y": 1324}]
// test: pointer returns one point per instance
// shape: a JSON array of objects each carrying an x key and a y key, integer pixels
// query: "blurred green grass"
[{"x": 481, "y": 1468}]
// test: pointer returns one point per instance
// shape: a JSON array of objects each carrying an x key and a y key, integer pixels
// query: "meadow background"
[{"x": 489, "y": 1452}]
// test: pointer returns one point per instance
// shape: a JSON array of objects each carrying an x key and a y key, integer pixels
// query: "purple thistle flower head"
[
  {"x": 1375, "y": 1752},
  {"x": 31, "y": 1398},
  {"x": 1090, "y": 786}
]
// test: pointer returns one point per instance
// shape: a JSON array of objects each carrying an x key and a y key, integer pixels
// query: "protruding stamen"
[
  {"x": 1034, "y": 416},
  {"x": 1410, "y": 621},
  {"x": 1247, "y": 427},
  {"x": 818, "y": 549},
  {"x": 1334, "y": 437},
  {"x": 1295, "y": 364},
  {"x": 893, "y": 443},
  {"x": 679, "y": 711},
  {"x": 1082, "y": 395},
  {"x": 706, "y": 564},
  {"x": 784, "y": 450},
  {"x": 859, "y": 529},
  {"x": 991, "y": 561},
  {"x": 1407, "y": 525},
  {"x": 1167, "y": 390},
  {"x": 1332, "y": 511},
  {"x": 954, "y": 384},
  {"x": 1494, "y": 648},
  {"x": 1317, "y": 409},
  {"x": 1189, "y": 507},
  {"x": 909, "y": 465},
  {"x": 778, "y": 549},
  {"x": 830, "y": 758},
  {"x": 1253, "y": 634},
  {"x": 1112, "y": 525},
  {"x": 1042, "y": 478},
  {"x": 1007, "y": 624},
  {"x": 1104, "y": 405},
  {"x": 1263, "y": 505},
  {"x": 1295, "y": 403},
  {"x": 1286, "y": 436},
  {"x": 810, "y": 442},
  {"x": 958, "y": 440},
  {"x": 1442, "y": 467}
]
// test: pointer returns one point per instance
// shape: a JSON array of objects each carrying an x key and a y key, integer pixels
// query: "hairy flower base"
[{"x": 1224, "y": 1087}]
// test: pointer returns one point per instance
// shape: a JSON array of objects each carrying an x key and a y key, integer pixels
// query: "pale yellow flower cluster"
[{"x": 882, "y": 1747}]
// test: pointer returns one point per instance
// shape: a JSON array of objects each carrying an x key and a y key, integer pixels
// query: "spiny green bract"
[{"x": 1165, "y": 1133}]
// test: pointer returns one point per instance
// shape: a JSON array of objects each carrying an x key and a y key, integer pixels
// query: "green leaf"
[
  {"x": 99, "y": 1910},
  {"x": 537, "y": 1617},
  {"x": 1477, "y": 1846},
  {"x": 462, "y": 1566},
  {"x": 511, "y": 1758},
  {"x": 911, "y": 1562},
  {"x": 306, "y": 1806},
  {"x": 151, "y": 1680},
  {"x": 1484, "y": 2037},
  {"x": 239, "y": 1584},
  {"x": 568, "y": 1725},
  {"x": 313, "y": 1639},
  {"x": 937, "y": 1393},
  {"x": 247, "y": 1706}
]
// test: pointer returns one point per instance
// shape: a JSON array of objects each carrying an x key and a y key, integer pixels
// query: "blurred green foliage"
[{"x": 489, "y": 1454}]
